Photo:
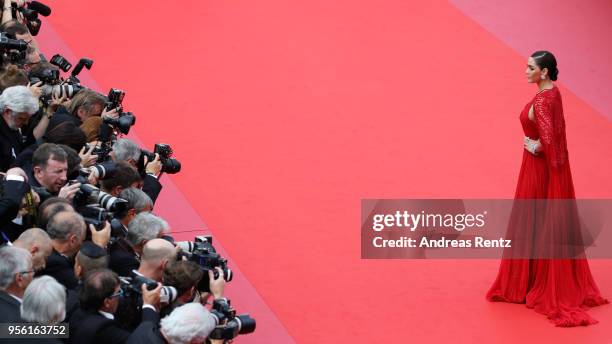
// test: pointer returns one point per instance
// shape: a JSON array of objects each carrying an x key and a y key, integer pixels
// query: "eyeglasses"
[
  {"x": 26, "y": 272},
  {"x": 117, "y": 294}
]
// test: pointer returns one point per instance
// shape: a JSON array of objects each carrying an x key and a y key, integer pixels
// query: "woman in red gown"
[{"x": 563, "y": 288}]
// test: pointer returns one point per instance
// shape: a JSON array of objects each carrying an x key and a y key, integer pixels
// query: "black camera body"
[
  {"x": 169, "y": 165},
  {"x": 46, "y": 76},
  {"x": 96, "y": 206},
  {"x": 131, "y": 287},
  {"x": 202, "y": 252},
  {"x": 61, "y": 62},
  {"x": 126, "y": 120},
  {"x": 229, "y": 325},
  {"x": 11, "y": 49},
  {"x": 115, "y": 99}
]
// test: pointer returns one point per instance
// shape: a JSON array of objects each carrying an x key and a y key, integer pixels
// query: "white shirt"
[
  {"x": 16, "y": 298},
  {"x": 107, "y": 315}
]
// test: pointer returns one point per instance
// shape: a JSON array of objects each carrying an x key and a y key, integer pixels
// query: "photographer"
[
  {"x": 44, "y": 301},
  {"x": 17, "y": 105},
  {"x": 138, "y": 202},
  {"x": 157, "y": 253},
  {"x": 17, "y": 205},
  {"x": 190, "y": 323},
  {"x": 50, "y": 163},
  {"x": 38, "y": 243},
  {"x": 67, "y": 232},
  {"x": 14, "y": 187},
  {"x": 185, "y": 276},
  {"x": 85, "y": 104},
  {"x": 89, "y": 258},
  {"x": 39, "y": 122},
  {"x": 95, "y": 322},
  {"x": 64, "y": 134},
  {"x": 124, "y": 177},
  {"x": 50, "y": 207},
  {"x": 20, "y": 31},
  {"x": 125, "y": 253},
  {"x": 16, "y": 273},
  {"x": 126, "y": 150}
]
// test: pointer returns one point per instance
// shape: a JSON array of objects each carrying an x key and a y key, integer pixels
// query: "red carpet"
[{"x": 286, "y": 114}]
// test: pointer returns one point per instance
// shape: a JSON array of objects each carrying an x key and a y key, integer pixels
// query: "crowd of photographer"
[{"x": 80, "y": 244}]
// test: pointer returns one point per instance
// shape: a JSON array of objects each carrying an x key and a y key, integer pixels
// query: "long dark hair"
[{"x": 545, "y": 59}]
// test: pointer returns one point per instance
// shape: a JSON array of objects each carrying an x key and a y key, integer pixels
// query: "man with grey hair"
[
  {"x": 125, "y": 253},
  {"x": 38, "y": 243},
  {"x": 44, "y": 301},
  {"x": 85, "y": 104},
  {"x": 127, "y": 150},
  {"x": 190, "y": 323},
  {"x": 16, "y": 273},
  {"x": 137, "y": 202},
  {"x": 17, "y": 105},
  {"x": 67, "y": 232}
]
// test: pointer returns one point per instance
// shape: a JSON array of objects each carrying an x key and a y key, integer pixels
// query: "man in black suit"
[
  {"x": 17, "y": 105},
  {"x": 95, "y": 322},
  {"x": 16, "y": 273},
  {"x": 190, "y": 322},
  {"x": 89, "y": 258},
  {"x": 125, "y": 253},
  {"x": 85, "y": 104},
  {"x": 67, "y": 232},
  {"x": 128, "y": 151},
  {"x": 14, "y": 188},
  {"x": 137, "y": 202}
]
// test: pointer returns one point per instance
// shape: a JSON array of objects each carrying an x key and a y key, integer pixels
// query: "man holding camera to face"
[{"x": 95, "y": 321}]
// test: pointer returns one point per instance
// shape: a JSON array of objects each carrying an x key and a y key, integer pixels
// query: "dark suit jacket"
[
  {"x": 10, "y": 201},
  {"x": 62, "y": 115},
  {"x": 147, "y": 333},
  {"x": 94, "y": 328},
  {"x": 9, "y": 308},
  {"x": 11, "y": 144},
  {"x": 118, "y": 230},
  {"x": 122, "y": 258},
  {"x": 72, "y": 302},
  {"x": 152, "y": 187},
  {"x": 62, "y": 269}
]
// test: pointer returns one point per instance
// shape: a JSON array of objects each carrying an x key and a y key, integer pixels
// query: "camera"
[
  {"x": 94, "y": 215},
  {"x": 12, "y": 50},
  {"x": 126, "y": 120},
  {"x": 59, "y": 61},
  {"x": 27, "y": 13},
  {"x": 115, "y": 99},
  {"x": 83, "y": 62},
  {"x": 131, "y": 287},
  {"x": 202, "y": 252},
  {"x": 169, "y": 165},
  {"x": 52, "y": 84},
  {"x": 46, "y": 76},
  {"x": 229, "y": 325},
  {"x": 8, "y": 42},
  {"x": 103, "y": 149},
  {"x": 90, "y": 194},
  {"x": 123, "y": 123}
]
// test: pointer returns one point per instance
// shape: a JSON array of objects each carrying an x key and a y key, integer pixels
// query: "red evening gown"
[{"x": 561, "y": 289}]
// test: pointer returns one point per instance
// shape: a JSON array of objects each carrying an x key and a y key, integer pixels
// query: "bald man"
[
  {"x": 67, "y": 232},
  {"x": 155, "y": 255},
  {"x": 38, "y": 243}
]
